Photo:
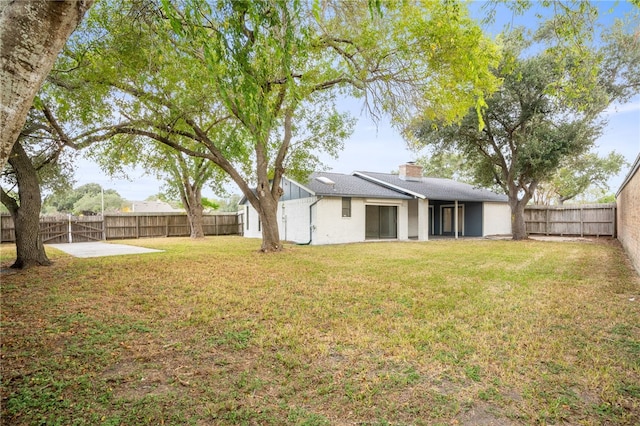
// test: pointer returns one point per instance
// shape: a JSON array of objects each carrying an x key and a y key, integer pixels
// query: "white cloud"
[{"x": 633, "y": 106}]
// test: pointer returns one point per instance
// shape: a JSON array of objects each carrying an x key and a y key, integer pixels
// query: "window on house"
[
  {"x": 346, "y": 206},
  {"x": 247, "y": 218}
]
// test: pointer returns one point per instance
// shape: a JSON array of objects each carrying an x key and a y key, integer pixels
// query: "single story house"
[{"x": 334, "y": 208}]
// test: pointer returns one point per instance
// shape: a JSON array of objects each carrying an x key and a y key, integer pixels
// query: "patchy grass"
[{"x": 212, "y": 332}]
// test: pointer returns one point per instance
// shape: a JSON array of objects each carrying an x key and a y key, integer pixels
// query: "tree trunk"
[
  {"x": 268, "y": 212},
  {"x": 29, "y": 247},
  {"x": 270, "y": 231},
  {"x": 192, "y": 201},
  {"x": 518, "y": 226},
  {"x": 32, "y": 33},
  {"x": 26, "y": 214},
  {"x": 194, "y": 215}
]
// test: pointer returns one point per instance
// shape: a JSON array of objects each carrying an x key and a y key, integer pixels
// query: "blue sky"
[{"x": 379, "y": 147}]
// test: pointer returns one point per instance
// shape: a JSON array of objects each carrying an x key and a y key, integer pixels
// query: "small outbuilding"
[{"x": 333, "y": 208}]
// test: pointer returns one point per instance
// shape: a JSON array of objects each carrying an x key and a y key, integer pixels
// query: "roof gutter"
[{"x": 320, "y": 197}]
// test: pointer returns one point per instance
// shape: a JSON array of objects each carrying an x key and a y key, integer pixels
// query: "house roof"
[
  {"x": 341, "y": 185},
  {"x": 390, "y": 186},
  {"x": 152, "y": 207},
  {"x": 434, "y": 188}
]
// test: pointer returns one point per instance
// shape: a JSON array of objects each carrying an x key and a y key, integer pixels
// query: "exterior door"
[
  {"x": 448, "y": 225},
  {"x": 381, "y": 222}
]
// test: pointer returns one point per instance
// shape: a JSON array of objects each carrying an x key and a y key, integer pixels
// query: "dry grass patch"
[{"x": 446, "y": 332}]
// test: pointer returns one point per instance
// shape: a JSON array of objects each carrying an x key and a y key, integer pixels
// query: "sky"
[{"x": 379, "y": 147}]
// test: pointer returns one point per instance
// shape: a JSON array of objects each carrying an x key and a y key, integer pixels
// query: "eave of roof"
[
  {"x": 350, "y": 186},
  {"x": 630, "y": 175},
  {"x": 435, "y": 188},
  {"x": 389, "y": 185}
]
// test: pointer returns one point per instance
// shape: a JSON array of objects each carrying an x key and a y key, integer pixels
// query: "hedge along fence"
[
  {"x": 65, "y": 229},
  {"x": 584, "y": 220}
]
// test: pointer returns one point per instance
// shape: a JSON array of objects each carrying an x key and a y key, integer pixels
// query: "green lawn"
[{"x": 213, "y": 332}]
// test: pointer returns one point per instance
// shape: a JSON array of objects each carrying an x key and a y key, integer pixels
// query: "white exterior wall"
[
  {"x": 403, "y": 218},
  {"x": 331, "y": 228},
  {"x": 251, "y": 219},
  {"x": 496, "y": 219},
  {"x": 328, "y": 225},
  {"x": 424, "y": 221},
  {"x": 293, "y": 219},
  {"x": 413, "y": 218}
]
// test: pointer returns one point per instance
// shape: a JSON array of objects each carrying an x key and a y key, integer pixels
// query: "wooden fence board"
[
  {"x": 59, "y": 229},
  {"x": 584, "y": 220},
  {"x": 86, "y": 229},
  {"x": 53, "y": 229}
]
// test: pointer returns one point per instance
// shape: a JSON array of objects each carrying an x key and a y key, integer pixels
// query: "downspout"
[{"x": 310, "y": 222}]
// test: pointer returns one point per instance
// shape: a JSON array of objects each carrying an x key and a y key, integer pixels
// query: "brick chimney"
[{"x": 410, "y": 171}]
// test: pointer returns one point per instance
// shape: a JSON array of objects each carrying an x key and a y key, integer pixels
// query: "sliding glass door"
[{"x": 381, "y": 222}]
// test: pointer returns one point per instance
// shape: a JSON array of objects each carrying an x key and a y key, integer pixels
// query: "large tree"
[
  {"x": 41, "y": 158},
  {"x": 446, "y": 164},
  {"x": 578, "y": 174},
  {"x": 524, "y": 136},
  {"x": 37, "y": 160},
  {"x": 29, "y": 247},
  {"x": 184, "y": 176},
  {"x": 32, "y": 33},
  {"x": 532, "y": 125},
  {"x": 254, "y": 84},
  {"x": 89, "y": 199}
]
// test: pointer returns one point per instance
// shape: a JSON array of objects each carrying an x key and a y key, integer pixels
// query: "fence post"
[
  {"x": 137, "y": 226},
  {"x": 546, "y": 220},
  {"x": 582, "y": 221},
  {"x": 69, "y": 229}
]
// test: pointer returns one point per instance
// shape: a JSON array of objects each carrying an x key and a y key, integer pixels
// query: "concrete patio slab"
[{"x": 99, "y": 249}]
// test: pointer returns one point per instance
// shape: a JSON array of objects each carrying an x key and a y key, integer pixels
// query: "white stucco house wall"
[{"x": 333, "y": 208}]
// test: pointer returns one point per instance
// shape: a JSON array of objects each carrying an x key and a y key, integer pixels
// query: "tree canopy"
[
  {"x": 85, "y": 199},
  {"x": 577, "y": 175},
  {"x": 252, "y": 86},
  {"x": 530, "y": 126}
]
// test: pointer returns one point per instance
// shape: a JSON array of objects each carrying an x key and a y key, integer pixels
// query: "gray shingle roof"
[
  {"x": 350, "y": 186},
  {"x": 437, "y": 188},
  {"x": 153, "y": 207}
]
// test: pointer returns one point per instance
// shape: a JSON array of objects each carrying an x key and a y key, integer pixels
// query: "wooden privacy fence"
[
  {"x": 65, "y": 229},
  {"x": 584, "y": 220}
]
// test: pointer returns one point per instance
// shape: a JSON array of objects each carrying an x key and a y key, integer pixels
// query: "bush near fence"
[
  {"x": 580, "y": 219},
  {"x": 61, "y": 229}
]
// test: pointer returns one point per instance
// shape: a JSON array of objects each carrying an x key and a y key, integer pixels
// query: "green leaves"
[
  {"x": 577, "y": 174},
  {"x": 525, "y": 130}
]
